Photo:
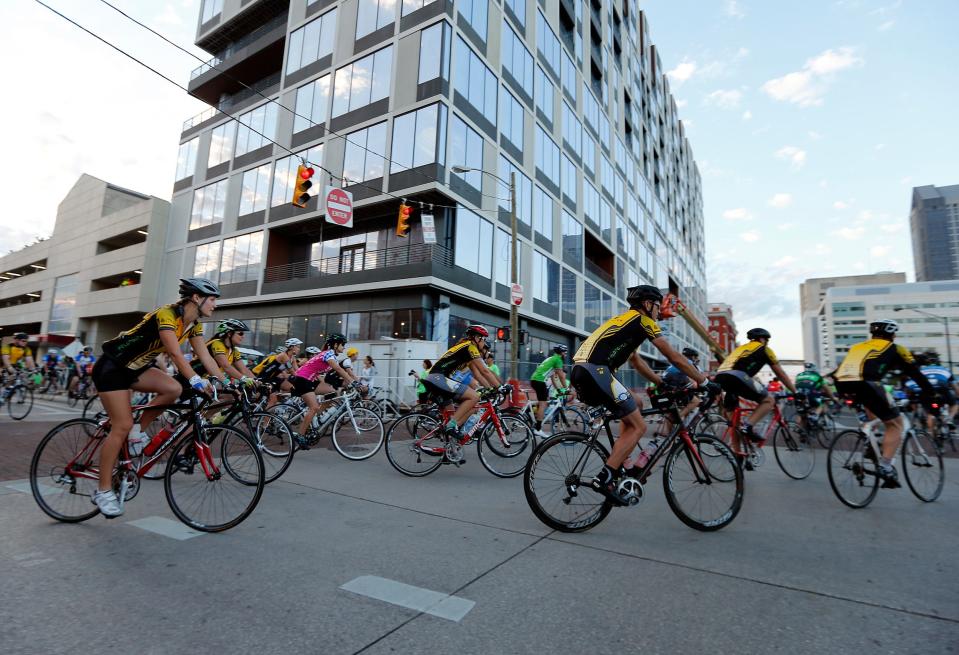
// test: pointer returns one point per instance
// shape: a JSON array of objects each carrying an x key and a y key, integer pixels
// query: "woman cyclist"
[
  {"x": 223, "y": 348},
  {"x": 127, "y": 364},
  {"x": 305, "y": 380},
  {"x": 276, "y": 368}
]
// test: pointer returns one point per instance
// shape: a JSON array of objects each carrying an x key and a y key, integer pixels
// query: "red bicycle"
[{"x": 417, "y": 444}]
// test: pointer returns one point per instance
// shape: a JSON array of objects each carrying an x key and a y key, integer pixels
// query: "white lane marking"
[
  {"x": 28, "y": 560},
  {"x": 24, "y": 486},
  {"x": 435, "y": 603},
  {"x": 165, "y": 527}
]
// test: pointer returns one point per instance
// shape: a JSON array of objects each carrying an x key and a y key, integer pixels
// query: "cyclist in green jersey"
[
  {"x": 811, "y": 386},
  {"x": 551, "y": 366},
  {"x": 491, "y": 365}
]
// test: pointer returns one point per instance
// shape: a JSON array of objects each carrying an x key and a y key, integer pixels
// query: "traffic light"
[
  {"x": 523, "y": 338},
  {"x": 502, "y": 334},
  {"x": 403, "y": 220},
  {"x": 302, "y": 185}
]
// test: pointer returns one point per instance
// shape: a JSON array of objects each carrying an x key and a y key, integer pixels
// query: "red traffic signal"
[
  {"x": 301, "y": 185},
  {"x": 403, "y": 220},
  {"x": 502, "y": 334}
]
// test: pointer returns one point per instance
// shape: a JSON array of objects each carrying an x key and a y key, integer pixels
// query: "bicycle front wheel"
[
  {"x": 556, "y": 482},
  {"x": 275, "y": 440},
  {"x": 20, "y": 402},
  {"x": 65, "y": 452},
  {"x": 704, "y": 493},
  {"x": 922, "y": 466},
  {"x": 826, "y": 429},
  {"x": 94, "y": 408},
  {"x": 415, "y": 445},
  {"x": 567, "y": 419},
  {"x": 505, "y": 455},
  {"x": 359, "y": 436},
  {"x": 793, "y": 448},
  {"x": 216, "y": 486},
  {"x": 851, "y": 466}
]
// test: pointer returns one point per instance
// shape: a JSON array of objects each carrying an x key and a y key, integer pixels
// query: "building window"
[
  {"x": 284, "y": 174},
  {"x": 475, "y": 12},
  {"x": 466, "y": 149},
  {"x": 256, "y": 190},
  {"x": 186, "y": 159},
  {"x": 569, "y": 174},
  {"x": 206, "y": 262},
  {"x": 589, "y": 152},
  {"x": 208, "y": 205},
  {"x": 547, "y": 155},
  {"x": 221, "y": 144},
  {"x": 210, "y": 9},
  {"x": 545, "y": 279},
  {"x": 241, "y": 258},
  {"x": 434, "y": 53},
  {"x": 311, "y": 42},
  {"x": 605, "y": 220},
  {"x": 590, "y": 108},
  {"x": 512, "y": 118},
  {"x": 569, "y": 77},
  {"x": 363, "y": 82},
  {"x": 516, "y": 58},
  {"x": 312, "y": 102},
  {"x": 545, "y": 93},
  {"x": 546, "y": 42},
  {"x": 606, "y": 175},
  {"x": 472, "y": 246},
  {"x": 415, "y": 141},
  {"x": 572, "y": 129},
  {"x": 567, "y": 301},
  {"x": 542, "y": 212},
  {"x": 64, "y": 304},
  {"x": 590, "y": 202},
  {"x": 474, "y": 81},
  {"x": 572, "y": 239},
  {"x": 372, "y": 15},
  {"x": 504, "y": 271},
  {"x": 518, "y": 8},
  {"x": 524, "y": 191},
  {"x": 365, "y": 150},
  {"x": 256, "y": 128},
  {"x": 592, "y": 307},
  {"x": 409, "y": 6}
]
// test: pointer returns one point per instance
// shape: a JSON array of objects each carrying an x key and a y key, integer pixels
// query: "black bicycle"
[{"x": 17, "y": 396}]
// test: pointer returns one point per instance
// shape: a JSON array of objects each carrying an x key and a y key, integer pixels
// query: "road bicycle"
[
  {"x": 213, "y": 481},
  {"x": 701, "y": 479},
  {"x": 943, "y": 432},
  {"x": 559, "y": 415},
  {"x": 381, "y": 401},
  {"x": 94, "y": 406},
  {"x": 854, "y": 457},
  {"x": 17, "y": 396},
  {"x": 821, "y": 426},
  {"x": 356, "y": 432},
  {"x": 85, "y": 390},
  {"x": 417, "y": 444}
]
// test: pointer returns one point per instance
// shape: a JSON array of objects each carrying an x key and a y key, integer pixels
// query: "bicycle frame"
[
  {"x": 490, "y": 416},
  {"x": 775, "y": 420}
]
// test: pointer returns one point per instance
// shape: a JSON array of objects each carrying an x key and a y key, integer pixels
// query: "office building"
[{"x": 934, "y": 222}]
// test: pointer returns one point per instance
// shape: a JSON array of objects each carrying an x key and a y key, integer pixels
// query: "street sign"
[
  {"x": 429, "y": 228},
  {"x": 339, "y": 207},
  {"x": 516, "y": 294}
]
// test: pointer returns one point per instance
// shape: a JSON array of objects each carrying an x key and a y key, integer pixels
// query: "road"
[{"x": 343, "y": 557}]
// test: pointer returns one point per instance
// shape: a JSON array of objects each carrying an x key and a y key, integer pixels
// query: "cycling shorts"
[
  {"x": 542, "y": 393},
  {"x": 596, "y": 386},
  {"x": 446, "y": 388},
  {"x": 812, "y": 397},
  {"x": 301, "y": 386},
  {"x": 334, "y": 380},
  {"x": 945, "y": 397},
  {"x": 109, "y": 376},
  {"x": 736, "y": 385},
  {"x": 871, "y": 395}
]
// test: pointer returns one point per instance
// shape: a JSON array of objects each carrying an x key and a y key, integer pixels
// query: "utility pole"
[{"x": 513, "y": 309}]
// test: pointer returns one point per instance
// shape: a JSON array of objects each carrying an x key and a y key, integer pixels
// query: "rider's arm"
[
  {"x": 200, "y": 351},
  {"x": 783, "y": 376},
  {"x": 562, "y": 378},
  {"x": 342, "y": 372},
  {"x": 678, "y": 360},
  {"x": 6, "y": 363},
  {"x": 644, "y": 369},
  {"x": 482, "y": 374},
  {"x": 224, "y": 363},
  {"x": 29, "y": 360},
  {"x": 172, "y": 346}
]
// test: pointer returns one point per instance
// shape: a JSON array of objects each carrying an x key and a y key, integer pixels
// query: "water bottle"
[
  {"x": 158, "y": 439},
  {"x": 647, "y": 453},
  {"x": 470, "y": 424}
]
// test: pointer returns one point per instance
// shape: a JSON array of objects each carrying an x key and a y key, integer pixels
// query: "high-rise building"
[
  {"x": 934, "y": 221},
  {"x": 722, "y": 327},
  {"x": 391, "y": 98},
  {"x": 818, "y": 346}
]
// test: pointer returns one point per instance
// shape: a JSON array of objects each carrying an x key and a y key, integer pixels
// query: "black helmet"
[
  {"x": 758, "y": 333},
  {"x": 198, "y": 285},
  {"x": 636, "y": 295},
  {"x": 231, "y": 325},
  {"x": 560, "y": 349},
  {"x": 884, "y": 327},
  {"x": 21, "y": 335},
  {"x": 334, "y": 338},
  {"x": 690, "y": 353},
  {"x": 922, "y": 359},
  {"x": 932, "y": 357},
  {"x": 809, "y": 366}
]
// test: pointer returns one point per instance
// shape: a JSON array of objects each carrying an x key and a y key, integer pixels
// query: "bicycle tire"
[
  {"x": 567, "y": 419},
  {"x": 852, "y": 465},
  {"x": 564, "y": 464},
  {"x": 22, "y": 397},
  {"x": 794, "y": 451},
  {"x": 518, "y": 413},
  {"x": 404, "y": 450},
  {"x": 922, "y": 466},
  {"x": 500, "y": 459},
  {"x": 359, "y": 437},
  {"x": 725, "y": 466},
  {"x": 243, "y": 480},
  {"x": 94, "y": 407},
  {"x": 66, "y": 500},
  {"x": 275, "y": 440},
  {"x": 826, "y": 430},
  {"x": 389, "y": 412}
]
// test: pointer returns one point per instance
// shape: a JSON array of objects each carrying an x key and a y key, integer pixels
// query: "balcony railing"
[
  {"x": 199, "y": 118},
  {"x": 353, "y": 260},
  {"x": 242, "y": 42},
  {"x": 599, "y": 273}
]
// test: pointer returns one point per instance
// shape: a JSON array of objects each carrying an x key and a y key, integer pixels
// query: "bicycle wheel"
[
  {"x": 567, "y": 419},
  {"x": 275, "y": 440},
  {"x": 20, "y": 402},
  {"x": 94, "y": 408},
  {"x": 698, "y": 496},
  {"x": 827, "y": 429},
  {"x": 793, "y": 448},
  {"x": 852, "y": 469},
  {"x": 360, "y": 436},
  {"x": 222, "y": 499},
  {"x": 556, "y": 482},
  {"x": 922, "y": 466},
  {"x": 388, "y": 410},
  {"x": 719, "y": 429},
  {"x": 62, "y": 495},
  {"x": 415, "y": 445},
  {"x": 518, "y": 413},
  {"x": 367, "y": 403},
  {"x": 505, "y": 457}
]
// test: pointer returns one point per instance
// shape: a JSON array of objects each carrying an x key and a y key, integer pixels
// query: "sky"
[{"x": 810, "y": 123}]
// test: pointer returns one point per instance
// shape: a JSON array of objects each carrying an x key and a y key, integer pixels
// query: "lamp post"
[
  {"x": 514, "y": 274},
  {"x": 945, "y": 321}
]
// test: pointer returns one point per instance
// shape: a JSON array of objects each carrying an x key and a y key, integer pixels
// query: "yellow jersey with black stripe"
[
  {"x": 749, "y": 358},
  {"x": 870, "y": 360},
  {"x": 457, "y": 357},
  {"x": 139, "y": 346},
  {"x": 16, "y": 353},
  {"x": 614, "y": 341},
  {"x": 215, "y": 347}
]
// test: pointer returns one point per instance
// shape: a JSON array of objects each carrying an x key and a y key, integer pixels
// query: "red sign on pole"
[
  {"x": 516, "y": 294},
  {"x": 339, "y": 207}
]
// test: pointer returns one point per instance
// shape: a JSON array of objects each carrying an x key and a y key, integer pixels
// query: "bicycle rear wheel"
[
  {"x": 704, "y": 493},
  {"x": 922, "y": 466},
  {"x": 567, "y": 419},
  {"x": 826, "y": 429},
  {"x": 415, "y": 444},
  {"x": 275, "y": 440},
  {"x": 506, "y": 459},
  {"x": 62, "y": 495},
  {"x": 851, "y": 466},
  {"x": 94, "y": 407},
  {"x": 556, "y": 482},
  {"x": 20, "y": 402},
  {"x": 360, "y": 436},
  {"x": 225, "y": 497},
  {"x": 793, "y": 448}
]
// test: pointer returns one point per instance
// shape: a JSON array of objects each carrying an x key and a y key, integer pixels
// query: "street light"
[
  {"x": 513, "y": 310},
  {"x": 945, "y": 321}
]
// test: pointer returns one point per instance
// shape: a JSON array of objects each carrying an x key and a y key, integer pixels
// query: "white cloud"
[
  {"x": 742, "y": 53},
  {"x": 169, "y": 16},
  {"x": 681, "y": 103},
  {"x": 786, "y": 226},
  {"x": 738, "y": 214},
  {"x": 814, "y": 135},
  {"x": 751, "y": 236},
  {"x": 822, "y": 249},
  {"x": 747, "y": 115},
  {"x": 824, "y": 183},
  {"x": 683, "y": 71},
  {"x": 781, "y": 200},
  {"x": 732, "y": 8},
  {"x": 833, "y": 61},
  {"x": 839, "y": 204},
  {"x": 906, "y": 181},
  {"x": 785, "y": 261},
  {"x": 892, "y": 228},
  {"x": 887, "y": 25},
  {"x": 807, "y": 87},
  {"x": 879, "y": 146},
  {"x": 724, "y": 99},
  {"x": 851, "y": 233},
  {"x": 865, "y": 215},
  {"x": 879, "y": 251},
  {"x": 794, "y": 155}
]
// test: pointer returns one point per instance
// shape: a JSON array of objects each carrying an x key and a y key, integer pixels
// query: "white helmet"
[
  {"x": 312, "y": 350},
  {"x": 293, "y": 341}
]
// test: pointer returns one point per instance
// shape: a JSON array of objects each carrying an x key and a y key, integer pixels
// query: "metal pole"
[
  {"x": 948, "y": 344},
  {"x": 513, "y": 309}
]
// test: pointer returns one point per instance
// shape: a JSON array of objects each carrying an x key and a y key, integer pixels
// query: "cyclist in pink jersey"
[{"x": 306, "y": 382}]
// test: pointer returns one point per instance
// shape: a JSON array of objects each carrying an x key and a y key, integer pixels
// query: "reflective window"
[
  {"x": 604, "y": 130},
  {"x": 605, "y": 219},
  {"x": 473, "y": 242},
  {"x": 210, "y": 9},
  {"x": 512, "y": 118},
  {"x": 372, "y": 15},
  {"x": 208, "y": 205},
  {"x": 256, "y": 190},
  {"x": 572, "y": 128},
  {"x": 590, "y": 107},
  {"x": 606, "y": 174},
  {"x": 546, "y": 42},
  {"x": 206, "y": 262},
  {"x": 64, "y": 304},
  {"x": 474, "y": 81},
  {"x": 524, "y": 191},
  {"x": 590, "y": 201},
  {"x": 363, "y": 158},
  {"x": 221, "y": 144},
  {"x": 516, "y": 58},
  {"x": 475, "y": 12},
  {"x": 569, "y": 174},
  {"x": 592, "y": 307},
  {"x": 256, "y": 128},
  {"x": 415, "y": 138},
  {"x": 363, "y": 82},
  {"x": 409, "y": 6},
  {"x": 545, "y": 278},
  {"x": 572, "y": 238},
  {"x": 466, "y": 149},
  {"x": 241, "y": 258},
  {"x": 545, "y": 94},
  {"x": 569, "y": 77},
  {"x": 503, "y": 257},
  {"x": 434, "y": 53},
  {"x": 547, "y": 155},
  {"x": 542, "y": 212},
  {"x": 519, "y": 10},
  {"x": 186, "y": 159},
  {"x": 589, "y": 152},
  {"x": 311, "y": 42},
  {"x": 284, "y": 174},
  {"x": 312, "y": 104},
  {"x": 567, "y": 301}
]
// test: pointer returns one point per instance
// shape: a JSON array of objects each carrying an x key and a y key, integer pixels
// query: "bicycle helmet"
[
  {"x": 232, "y": 325},
  {"x": 21, "y": 335},
  {"x": 312, "y": 350},
  {"x": 922, "y": 359},
  {"x": 933, "y": 358},
  {"x": 758, "y": 333},
  {"x": 560, "y": 349},
  {"x": 689, "y": 353},
  {"x": 335, "y": 338},
  {"x": 198, "y": 285},
  {"x": 352, "y": 352},
  {"x": 883, "y": 327},
  {"x": 279, "y": 349},
  {"x": 477, "y": 331},
  {"x": 809, "y": 366},
  {"x": 635, "y": 296},
  {"x": 293, "y": 341}
]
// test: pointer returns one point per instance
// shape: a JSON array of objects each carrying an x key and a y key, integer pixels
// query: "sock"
[
  {"x": 451, "y": 424},
  {"x": 885, "y": 462},
  {"x": 539, "y": 425}
]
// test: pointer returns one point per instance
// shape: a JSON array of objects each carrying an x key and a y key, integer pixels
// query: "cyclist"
[
  {"x": 491, "y": 364},
  {"x": 860, "y": 374},
  {"x": 277, "y": 367},
  {"x": 82, "y": 366},
  {"x": 607, "y": 348},
  {"x": 943, "y": 383},
  {"x": 127, "y": 364},
  {"x": 50, "y": 363},
  {"x": 334, "y": 379},
  {"x": 551, "y": 367},
  {"x": 17, "y": 353},
  {"x": 224, "y": 349},
  {"x": 677, "y": 382},
  {"x": 735, "y": 376},
  {"x": 307, "y": 384},
  {"x": 810, "y": 388}
]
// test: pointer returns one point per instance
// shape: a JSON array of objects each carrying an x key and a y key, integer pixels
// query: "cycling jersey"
[
  {"x": 673, "y": 377},
  {"x": 16, "y": 353},
  {"x": 749, "y": 358},
  {"x": 615, "y": 340},
  {"x": 215, "y": 347},
  {"x": 810, "y": 381},
  {"x": 316, "y": 365},
  {"x": 457, "y": 357},
  {"x": 940, "y": 378},
  {"x": 871, "y": 359},
  {"x": 85, "y": 362},
  {"x": 546, "y": 368},
  {"x": 139, "y": 346}
]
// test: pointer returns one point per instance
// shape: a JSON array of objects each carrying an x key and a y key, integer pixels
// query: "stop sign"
[
  {"x": 339, "y": 207},
  {"x": 516, "y": 293}
]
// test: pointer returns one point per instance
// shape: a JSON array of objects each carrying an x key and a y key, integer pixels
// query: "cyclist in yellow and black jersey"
[
  {"x": 609, "y": 347},
  {"x": 859, "y": 376},
  {"x": 17, "y": 353},
  {"x": 276, "y": 368},
  {"x": 223, "y": 348}
]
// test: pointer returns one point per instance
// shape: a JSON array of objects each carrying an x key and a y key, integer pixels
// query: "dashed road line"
[{"x": 426, "y": 601}]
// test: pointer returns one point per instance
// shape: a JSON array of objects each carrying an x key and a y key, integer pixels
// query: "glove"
[
  {"x": 247, "y": 382},
  {"x": 199, "y": 384},
  {"x": 712, "y": 388}
]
